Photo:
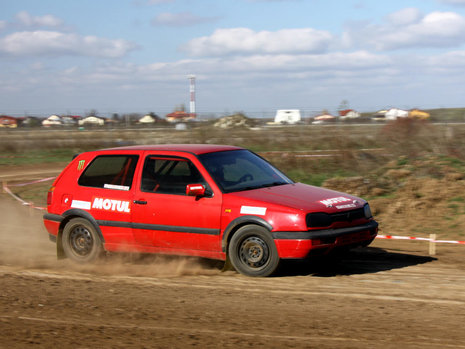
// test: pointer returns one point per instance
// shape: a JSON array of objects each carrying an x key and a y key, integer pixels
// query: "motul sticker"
[
  {"x": 253, "y": 210},
  {"x": 111, "y": 205},
  {"x": 333, "y": 201}
]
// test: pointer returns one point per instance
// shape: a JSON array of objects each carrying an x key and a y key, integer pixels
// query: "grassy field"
[{"x": 411, "y": 171}]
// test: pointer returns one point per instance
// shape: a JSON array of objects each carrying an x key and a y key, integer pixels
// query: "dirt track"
[{"x": 391, "y": 295}]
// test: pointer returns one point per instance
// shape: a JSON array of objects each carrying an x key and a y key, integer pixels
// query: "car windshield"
[{"x": 239, "y": 170}]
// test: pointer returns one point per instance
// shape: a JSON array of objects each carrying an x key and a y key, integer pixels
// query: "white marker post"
[{"x": 432, "y": 244}]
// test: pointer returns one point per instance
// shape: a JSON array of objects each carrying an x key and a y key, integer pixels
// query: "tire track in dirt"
[
  {"x": 426, "y": 342},
  {"x": 451, "y": 294},
  {"x": 326, "y": 312}
]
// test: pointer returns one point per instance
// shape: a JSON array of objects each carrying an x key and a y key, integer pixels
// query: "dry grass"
[{"x": 307, "y": 153}]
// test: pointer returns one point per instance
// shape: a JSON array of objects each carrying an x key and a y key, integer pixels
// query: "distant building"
[
  {"x": 8, "y": 121},
  {"x": 418, "y": 114},
  {"x": 325, "y": 117},
  {"x": 147, "y": 119},
  {"x": 380, "y": 115},
  {"x": 348, "y": 114},
  {"x": 52, "y": 120},
  {"x": 70, "y": 120},
  {"x": 179, "y": 116},
  {"x": 29, "y": 121},
  {"x": 394, "y": 114},
  {"x": 91, "y": 121},
  {"x": 287, "y": 116}
]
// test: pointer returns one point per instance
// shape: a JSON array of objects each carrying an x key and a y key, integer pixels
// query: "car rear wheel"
[
  {"x": 252, "y": 251},
  {"x": 80, "y": 240}
]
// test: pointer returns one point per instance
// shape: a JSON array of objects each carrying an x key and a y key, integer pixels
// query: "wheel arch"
[
  {"x": 69, "y": 215},
  {"x": 238, "y": 223}
]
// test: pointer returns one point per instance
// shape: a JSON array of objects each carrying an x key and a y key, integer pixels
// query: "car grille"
[{"x": 321, "y": 219}]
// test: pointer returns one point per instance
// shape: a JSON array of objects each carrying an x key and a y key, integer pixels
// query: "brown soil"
[{"x": 390, "y": 295}]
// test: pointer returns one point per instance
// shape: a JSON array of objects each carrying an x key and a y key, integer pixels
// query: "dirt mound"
[
  {"x": 236, "y": 120},
  {"x": 424, "y": 206},
  {"x": 419, "y": 198}
]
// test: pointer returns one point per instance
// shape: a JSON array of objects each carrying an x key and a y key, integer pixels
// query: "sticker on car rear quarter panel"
[
  {"x": 111, "y": 205},
  {"x": 84, "y": 205},
  {"x": 253, "y": 210}
]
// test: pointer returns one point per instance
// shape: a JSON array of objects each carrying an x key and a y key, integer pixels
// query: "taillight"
[{"x": 50, "y": 195}]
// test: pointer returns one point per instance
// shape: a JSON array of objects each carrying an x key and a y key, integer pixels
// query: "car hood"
[{"x": 302, "y": 197}]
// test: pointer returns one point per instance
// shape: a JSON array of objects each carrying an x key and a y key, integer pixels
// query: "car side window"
[
  {"x": 110, "y": 172},
  {"x": 169, "y": 175}
]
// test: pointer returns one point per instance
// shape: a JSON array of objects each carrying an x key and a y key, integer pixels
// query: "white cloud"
[
  {"x": 407, "y": 29},
  {"x": 26, "y": 19},
  {"x": 238, "y": 68},
  {"x": 52, "y": 43},
  {"x": 273, "y": 0},
  {"x": 2, "y": 25},
  {"x": 181, "y": 19},
  {"x": 304, "y": 63},
  {"x": 405, "y": 16},
  {"x": 157, "y": 2},
  {"x": 453, "y": 2},
  {"x": 259, "y": 81},
  {"x": 247, "y": 41},
  {"x": 448, "y": 61}
]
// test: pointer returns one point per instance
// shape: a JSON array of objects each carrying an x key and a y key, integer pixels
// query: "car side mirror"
[{"x": 196, "y": 190}]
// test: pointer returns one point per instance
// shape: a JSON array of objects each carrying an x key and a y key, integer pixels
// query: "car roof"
[{"x": 196, "y": 149}]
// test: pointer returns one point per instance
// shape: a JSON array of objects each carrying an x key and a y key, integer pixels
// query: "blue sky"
[{"x": 253, "y": 56}]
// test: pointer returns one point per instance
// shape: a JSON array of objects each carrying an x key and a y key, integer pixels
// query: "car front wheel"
[{"x": 252, "y": 251}]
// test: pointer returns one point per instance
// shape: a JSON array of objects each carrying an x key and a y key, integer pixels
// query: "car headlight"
[{"x": 367, "y": 211}]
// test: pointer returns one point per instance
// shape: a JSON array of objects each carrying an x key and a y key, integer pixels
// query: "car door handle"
[{"x": 140, "y": 202}]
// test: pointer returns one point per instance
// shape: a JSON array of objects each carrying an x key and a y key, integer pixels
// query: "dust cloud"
[
  {"x": 23, "y": 239},
  {"x": 24, "y": 244}
]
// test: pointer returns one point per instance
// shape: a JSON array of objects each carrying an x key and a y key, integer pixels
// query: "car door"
[{"x": 164, "y": 216}]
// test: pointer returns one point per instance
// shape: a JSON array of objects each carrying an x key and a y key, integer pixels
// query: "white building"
[
  {"x": 52, "y": 120},
  {"x": 394, "y": 114},
  {"x": 91, "y": 120},
  {"x": 348, "y": 114},
  {"x": 147, "y": 119},
  {"x": 287, "y": 116}
]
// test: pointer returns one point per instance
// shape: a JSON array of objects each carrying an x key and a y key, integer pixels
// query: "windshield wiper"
[
  {"x": 274, "y": 184},
  {"x": 250, "y": 187},
  {"x": 267, "y": 185}
]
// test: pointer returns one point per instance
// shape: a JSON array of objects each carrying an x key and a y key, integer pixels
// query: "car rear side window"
[
  {"x": 110, "y": 171},
  {"x": 169, "y": 175}
]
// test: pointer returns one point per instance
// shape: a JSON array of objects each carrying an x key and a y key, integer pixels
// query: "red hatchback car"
[{"x": 213, "y": 201}]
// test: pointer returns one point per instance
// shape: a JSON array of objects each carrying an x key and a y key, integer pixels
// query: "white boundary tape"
[
  {"x": 33, "y": 182},
  {"x": 393, "y": 237},
  {"x": 7, "y": 190}
]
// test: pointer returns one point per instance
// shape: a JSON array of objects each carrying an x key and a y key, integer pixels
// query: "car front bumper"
[{"x": 294, "y": 245}]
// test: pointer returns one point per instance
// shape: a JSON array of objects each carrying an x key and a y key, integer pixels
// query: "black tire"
[
  {"x": 80, "y": 241},
  {"x": 252, "y": 251}
]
